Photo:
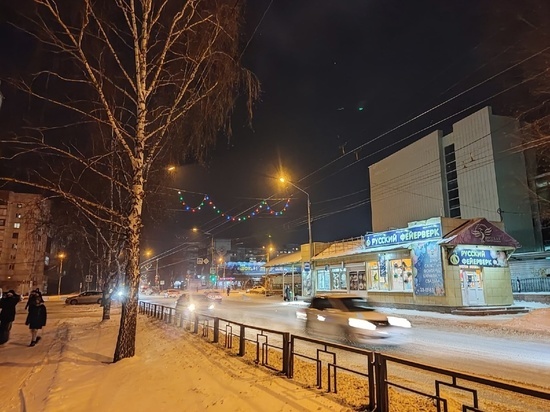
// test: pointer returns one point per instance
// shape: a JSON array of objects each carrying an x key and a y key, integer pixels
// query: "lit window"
[
  {"x": 18, "y": 215},
  {"x": 16, "y": 225},
  {"x": 14, "y": 245},
  {"x": 20, "y": 205}
]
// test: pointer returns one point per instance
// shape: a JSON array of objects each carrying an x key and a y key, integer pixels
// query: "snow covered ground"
[{"x": 70, "y": 369}]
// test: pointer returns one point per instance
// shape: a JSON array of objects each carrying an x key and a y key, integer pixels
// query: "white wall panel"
[{"x": 407, "y": 186}]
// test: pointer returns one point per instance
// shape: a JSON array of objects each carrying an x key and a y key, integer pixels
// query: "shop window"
[
  {"x": 339, "y": 279},
  {"x": 401, "y": 274},
  {"x": 378, "y": 278},
  {"x": 16, "y": 225},
  {"x": 323, "y": 280},
  {"x": 357, "y": 280}
]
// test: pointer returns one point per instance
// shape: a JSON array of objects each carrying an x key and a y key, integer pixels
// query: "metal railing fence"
[{"x": 379, "y": 382}]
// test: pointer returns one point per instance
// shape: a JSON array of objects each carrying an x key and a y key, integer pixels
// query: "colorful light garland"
[{"x": 262, "y": 207}]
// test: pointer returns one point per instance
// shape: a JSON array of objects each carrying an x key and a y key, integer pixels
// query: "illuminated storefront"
[{"x": 437, "y": 262}]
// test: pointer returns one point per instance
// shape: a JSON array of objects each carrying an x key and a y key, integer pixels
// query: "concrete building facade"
[
  {"x": 23, "y": 241},
  {"x": 477, "y": 170}
]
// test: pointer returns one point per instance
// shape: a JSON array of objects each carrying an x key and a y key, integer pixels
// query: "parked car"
[
  {"x": 256, "y": 289},
  {"x": 189, "y": 303},
  {"x": 91, "y": 296},
  {"x": 172, "y": 293},
  {"x": 349, "y": 319}
]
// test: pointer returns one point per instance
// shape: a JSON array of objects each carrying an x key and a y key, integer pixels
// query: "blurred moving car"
[
  {"x": 256, "y": 289},
  {"x": 349, "y": 319},
  {"x": 91, "y": 296},
  {"x": 189, "y": 303},
  {"x": 172, "y": 293},
  {"x": 214, "y": 295}
]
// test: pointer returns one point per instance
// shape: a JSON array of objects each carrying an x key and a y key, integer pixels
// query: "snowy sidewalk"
[{"x": 71, "y": 370}]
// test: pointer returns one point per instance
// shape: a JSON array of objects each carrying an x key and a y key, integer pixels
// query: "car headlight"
[
  {"x": 212, "y": 306},
  {"x": 192, "y": 307},
  {"x": 402, "y": 323},
  {"x": 361, "y": 324}
]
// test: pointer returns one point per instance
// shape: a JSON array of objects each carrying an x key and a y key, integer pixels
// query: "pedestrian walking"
[
  {"x": 34, "y": 292},
  {"x": 7, "y": 314},
  {"x": 36, "y": 319},
  {"x": 228, "y": 290}
]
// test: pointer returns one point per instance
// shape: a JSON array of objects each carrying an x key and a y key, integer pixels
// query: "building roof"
[
  {"x": 285, "y": 260},
  {"x": 344, "y": 248},
  {"x": 479, "y": 232}
]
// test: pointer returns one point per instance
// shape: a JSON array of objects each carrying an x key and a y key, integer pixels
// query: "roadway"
[{"x": 441, "y": 340}]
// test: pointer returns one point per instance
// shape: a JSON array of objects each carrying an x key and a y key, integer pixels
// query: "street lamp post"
[
  {"x": 61, "y": 256},
  {"x": 282, "y": 179}
]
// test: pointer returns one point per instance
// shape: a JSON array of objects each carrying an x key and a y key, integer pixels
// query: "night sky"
[{"x": 336, "y": 75}]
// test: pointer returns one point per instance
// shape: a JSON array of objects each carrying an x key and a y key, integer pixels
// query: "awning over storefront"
[
  {"x": 340, "y": 249},
  {"x": 387, "y": 248},
  {"x": 479, "y": 232},
  {"x": 285, "y": 260}
]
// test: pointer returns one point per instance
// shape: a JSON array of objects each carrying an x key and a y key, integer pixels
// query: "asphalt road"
[{"x": 435, "y": 339}]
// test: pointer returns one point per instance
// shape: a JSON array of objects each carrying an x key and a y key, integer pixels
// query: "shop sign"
[
  {"x": 405, "y": 235},
  {"x": 478, "y": 257}
]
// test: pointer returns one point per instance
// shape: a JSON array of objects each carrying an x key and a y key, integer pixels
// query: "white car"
[
  {"x": 349, "y": 319},
  {"x": 256, "y": 289}
]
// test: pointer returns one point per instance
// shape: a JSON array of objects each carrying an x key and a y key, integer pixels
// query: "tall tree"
[{"x": 140, "y": 80}]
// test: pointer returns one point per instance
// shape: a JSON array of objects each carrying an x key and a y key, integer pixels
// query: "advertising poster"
[
  {"x": 427, "y": 269},
  {"x": 306, "y": 284}
]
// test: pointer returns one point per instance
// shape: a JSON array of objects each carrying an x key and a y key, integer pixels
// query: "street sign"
[
  {"x": 307, "y": 266},
  {"x": 200, "y": 261},
  {"x": 89, "y": 278},
  {"x": 205, "y": 261},
  {"x": 162, "y": 282},
  {"x": 212, "y": 271}
]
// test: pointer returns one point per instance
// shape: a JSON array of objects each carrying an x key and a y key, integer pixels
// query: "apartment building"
[{"x": 23, "y": 241}]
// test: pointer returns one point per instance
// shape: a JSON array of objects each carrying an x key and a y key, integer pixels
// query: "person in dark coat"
[
  {"x": 36, "y": 319},
  {"x": 7, "y": 314},
  {"x": 35, "y": 292}
]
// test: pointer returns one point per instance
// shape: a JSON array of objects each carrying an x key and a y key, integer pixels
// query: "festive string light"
[{"x": 262, "y": 207}]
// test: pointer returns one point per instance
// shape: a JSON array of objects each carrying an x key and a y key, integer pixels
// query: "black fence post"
[
  {"x": 286, "y": 352},
  {"x": 196, "y": 325},
  {"x": 242, "y": 341},
  {"x": 381, "y": 375},
  {"x": 216, "y": 330}
]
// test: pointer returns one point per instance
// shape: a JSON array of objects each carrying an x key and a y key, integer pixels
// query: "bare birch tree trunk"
[{"x": 126, "y": 341}]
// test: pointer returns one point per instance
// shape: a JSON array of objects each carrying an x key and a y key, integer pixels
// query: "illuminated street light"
[
  {"x": 61, "y": 256},
  {"x": 171, "y": 168}
]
